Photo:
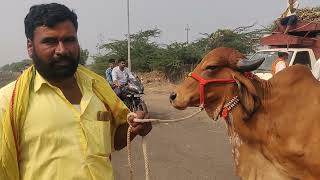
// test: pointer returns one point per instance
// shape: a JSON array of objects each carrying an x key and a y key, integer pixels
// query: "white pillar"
[{"x": 129, "y": 40}]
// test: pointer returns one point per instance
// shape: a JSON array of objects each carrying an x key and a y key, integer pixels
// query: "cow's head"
[{"x": 224, "y": 64}]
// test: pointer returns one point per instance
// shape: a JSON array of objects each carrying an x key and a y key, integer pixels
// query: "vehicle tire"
[
  {"x": 143, "y": 107},
  {"x": 130, "y": 105}
]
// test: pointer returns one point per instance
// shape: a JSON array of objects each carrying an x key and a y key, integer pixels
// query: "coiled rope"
[{"x": 144, "y": 141}]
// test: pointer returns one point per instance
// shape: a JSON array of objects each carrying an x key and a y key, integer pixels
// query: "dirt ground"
[{"x": 196, "y": 149}]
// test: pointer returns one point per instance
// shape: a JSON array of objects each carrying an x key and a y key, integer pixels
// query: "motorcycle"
[{"x": 133, "y": 95}]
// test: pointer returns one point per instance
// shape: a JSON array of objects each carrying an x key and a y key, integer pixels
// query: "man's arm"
[
  {"x": 316, "y": 70},
  {"x": 293, "y": 6},
  {"x": 115, "y": 77},
  {"x": 120, "y": 138},
  {"x": 142, "y": 129},
  {"x": 109, "y": 76},
  {"x": 280, "y": 66}
]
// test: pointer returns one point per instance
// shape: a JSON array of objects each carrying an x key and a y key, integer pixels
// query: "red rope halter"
[{"x": 203, "y": 82}]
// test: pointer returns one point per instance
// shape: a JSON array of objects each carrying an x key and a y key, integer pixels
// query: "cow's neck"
[
  {"x": 244, "y": 136},
  {"x": 249, "y": 128},
  {"x": 249, "y": 159}
]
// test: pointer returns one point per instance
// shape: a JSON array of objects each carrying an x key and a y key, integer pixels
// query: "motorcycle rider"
[
  {"x": 120, "y": 76},
  {"x": 109, "y": 71}
]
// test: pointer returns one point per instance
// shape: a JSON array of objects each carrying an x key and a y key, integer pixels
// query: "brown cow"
[{"x": 273, "y": 126}]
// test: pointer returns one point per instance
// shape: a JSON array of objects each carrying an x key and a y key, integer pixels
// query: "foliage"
[
  {"x": 16, "y": 66},
  {"x": 100, "y": 64},
  {"x": 144, "y": 52},
  {"x": 242, "y": 38},
  {"x": 176, "y": 58},
  {"x": 84, "y": 55}
]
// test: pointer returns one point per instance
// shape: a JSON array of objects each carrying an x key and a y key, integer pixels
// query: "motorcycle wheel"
[
  {"x": 143, "y": 107},
  {"x": 129, "y": 104}
]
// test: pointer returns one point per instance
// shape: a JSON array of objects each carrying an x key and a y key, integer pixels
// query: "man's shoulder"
[
  {"x": 7, "y": 89},
  {"x": 5, "y": 93},
  {"x": 116, "y": 69}
]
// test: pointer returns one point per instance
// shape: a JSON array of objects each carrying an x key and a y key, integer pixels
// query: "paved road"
[{"x": 197, "y": 149}]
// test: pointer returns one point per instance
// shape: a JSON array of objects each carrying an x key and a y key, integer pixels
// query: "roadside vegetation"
[{"x": 174, "y": 59}]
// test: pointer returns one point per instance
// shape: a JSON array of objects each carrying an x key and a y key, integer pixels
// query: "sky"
[{"x": 103, "y": 20}]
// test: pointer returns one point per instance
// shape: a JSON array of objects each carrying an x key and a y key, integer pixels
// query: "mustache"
[{"x": 61, "y": 58}]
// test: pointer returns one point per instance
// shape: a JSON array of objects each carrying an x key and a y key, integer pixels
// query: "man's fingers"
[
  {"x": 136, "y": 129},
  {"x": 140, "y": 114},
  {"x": 142, "y": 129}
]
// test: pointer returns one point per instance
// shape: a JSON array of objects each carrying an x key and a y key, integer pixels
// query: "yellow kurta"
[{"x": 59, "y": 141}]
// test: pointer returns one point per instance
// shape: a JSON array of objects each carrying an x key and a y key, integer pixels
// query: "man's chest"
[{"x": 52, "y": 117}]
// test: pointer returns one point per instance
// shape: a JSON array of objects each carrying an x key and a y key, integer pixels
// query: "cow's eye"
[{"x": 211, "y": 67}]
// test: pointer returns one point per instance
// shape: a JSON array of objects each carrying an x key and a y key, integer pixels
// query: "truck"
[{"x": 302, "y": 43}]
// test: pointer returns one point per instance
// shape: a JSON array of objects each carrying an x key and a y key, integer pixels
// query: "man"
[
  {"x": 316, "y": 70},
  {"x": 109, "y": 71},
  {"x": 120, "y": 76},
  {"x": 280, "y": 63},
  {"x": 289, "y": 17},
  {"x": 59, "y": 120}
]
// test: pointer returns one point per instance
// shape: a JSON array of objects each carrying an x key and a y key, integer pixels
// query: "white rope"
[
  {"x": 167, "y": 120},
  {"x": 144, "y": 141},
  {"x": 129, "y": 152}
]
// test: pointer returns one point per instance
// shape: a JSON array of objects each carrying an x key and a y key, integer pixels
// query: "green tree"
[
  {"x": 100, "y": 64},
  {"x": 175, "y": 59},
  {"x": 245, "y": 39},
  {"x": 144, "y": 51},
  {"x": 84, "y": 55},
  {"x": 16, "y": 66}
]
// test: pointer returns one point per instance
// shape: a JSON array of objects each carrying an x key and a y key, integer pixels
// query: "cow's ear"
[{"x": 247, "y": 94}]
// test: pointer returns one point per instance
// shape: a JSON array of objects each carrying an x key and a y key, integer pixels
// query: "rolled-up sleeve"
[{"x": 114, "y": 74}]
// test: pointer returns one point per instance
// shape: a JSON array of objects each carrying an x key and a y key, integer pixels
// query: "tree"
[
  {"x": 143, "y": 50},
  {"x": 16, "y": 66},
  {"x": 243, "y": 38},
  {"x": 84, "y": 55},
  {"x": 100, "y": 64},
  {"x": 177, "y": 58}
]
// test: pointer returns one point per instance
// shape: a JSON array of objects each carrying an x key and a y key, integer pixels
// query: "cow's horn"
[{"x": 245, "y": 65}]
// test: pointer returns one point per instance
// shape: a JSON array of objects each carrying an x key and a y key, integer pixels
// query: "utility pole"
[
  {"x": 129, "y": 40},
  {"x": 187, "y": 30}
]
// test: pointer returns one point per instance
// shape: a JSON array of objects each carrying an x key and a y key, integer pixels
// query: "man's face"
[
  {"x": 122, "y": 64},
  {"x": 55, "y": 51},
  {"x": 110, "y": 65}
]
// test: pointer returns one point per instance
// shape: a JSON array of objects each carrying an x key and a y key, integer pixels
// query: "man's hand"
[{"x": 141, "y": 129}]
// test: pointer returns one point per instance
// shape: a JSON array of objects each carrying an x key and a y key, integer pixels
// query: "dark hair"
[
  {"x": 111, "y": 60},
  {"x": 47, "y": 15},
  {"x": 121, "y": 60},
  {"x": 282, "y": 54}
]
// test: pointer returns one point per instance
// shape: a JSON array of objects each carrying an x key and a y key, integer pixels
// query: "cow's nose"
[{"x": 173, "y": 96}]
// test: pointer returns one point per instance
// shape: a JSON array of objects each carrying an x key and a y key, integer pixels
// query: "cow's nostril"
[{"x": 173, "y": 96}]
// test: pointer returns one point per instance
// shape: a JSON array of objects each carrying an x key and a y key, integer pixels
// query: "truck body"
[{"x": 302, "y": 43}]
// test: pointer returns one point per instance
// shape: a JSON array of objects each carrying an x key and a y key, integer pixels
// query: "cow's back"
[
  {"x": 295, "y": 81},
  {"x": 292, "y": 106}
]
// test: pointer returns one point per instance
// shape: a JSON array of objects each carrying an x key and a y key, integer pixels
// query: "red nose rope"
[{"x": 203, "y": 82}]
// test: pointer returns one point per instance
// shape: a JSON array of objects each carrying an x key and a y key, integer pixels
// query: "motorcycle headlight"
[{"x": 133, "y": 88}]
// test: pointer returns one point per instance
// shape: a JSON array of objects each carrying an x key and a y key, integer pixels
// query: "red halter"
[{"x": 203, "y": 82}]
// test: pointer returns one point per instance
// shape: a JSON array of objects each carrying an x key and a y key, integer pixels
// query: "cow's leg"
[{"x": 254, "y": 166}]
